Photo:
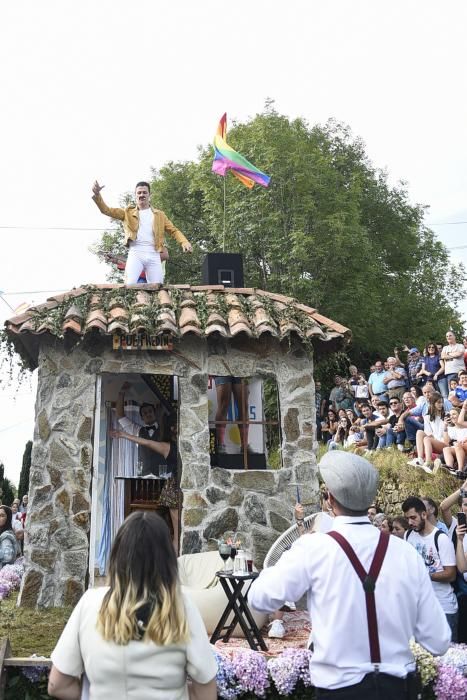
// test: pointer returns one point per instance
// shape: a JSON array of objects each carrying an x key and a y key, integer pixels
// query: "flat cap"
[{"x": 351, "y": 479}]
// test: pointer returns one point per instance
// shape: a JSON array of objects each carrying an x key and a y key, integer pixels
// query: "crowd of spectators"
[
  {"x": 12, "y": 519},
  {"x": 417, "y": 406},
  {"x": 440, "y": 538}
]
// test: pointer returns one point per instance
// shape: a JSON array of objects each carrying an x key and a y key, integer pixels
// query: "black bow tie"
[{"x": 151, "y": 427}]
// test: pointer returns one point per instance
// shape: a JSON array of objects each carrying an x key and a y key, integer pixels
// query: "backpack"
[{"x": 460, "y": 584}]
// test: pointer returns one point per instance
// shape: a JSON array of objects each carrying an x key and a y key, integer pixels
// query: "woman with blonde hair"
[{"x": 140, "y": 637}]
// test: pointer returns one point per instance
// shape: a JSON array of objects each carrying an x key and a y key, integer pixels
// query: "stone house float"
[{"x": 166, "y": 342}]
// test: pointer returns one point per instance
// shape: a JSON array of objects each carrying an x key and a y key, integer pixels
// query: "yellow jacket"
[{"x": 130, "y": 217}]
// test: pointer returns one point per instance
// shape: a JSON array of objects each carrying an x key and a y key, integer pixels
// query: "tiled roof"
[{"x": 177, "y": 309}]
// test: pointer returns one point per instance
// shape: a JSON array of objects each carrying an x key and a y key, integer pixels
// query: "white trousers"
[{"x": 143, "y": 257}]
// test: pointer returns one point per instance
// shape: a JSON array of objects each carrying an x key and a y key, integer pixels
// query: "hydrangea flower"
[
  {"x": 252, "y": 672},
  {"x": 292, "y": 666},
  {"x": 227, "y": 687},
  {"x": 456, "y": 656},
  {"x": 450, "y": 684},
  {"x": 10, "y": 577},
  {"x": 34, "y": 673},
  {"x": 426, "y": 663}
]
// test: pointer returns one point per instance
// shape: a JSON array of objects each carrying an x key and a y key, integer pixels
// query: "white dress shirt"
[
  {"x": 130, "y": 427},
  {"x": 405, "y": 603}
]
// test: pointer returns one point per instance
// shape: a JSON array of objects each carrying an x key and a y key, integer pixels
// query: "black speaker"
[{"x": 223, "y": 268}]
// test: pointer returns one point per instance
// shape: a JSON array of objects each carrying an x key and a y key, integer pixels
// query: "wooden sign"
[{"x": 142, "y": 341}]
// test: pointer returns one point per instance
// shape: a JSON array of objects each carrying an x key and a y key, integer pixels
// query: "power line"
[
  {"x": 53, "y": 228},
  {"x": 15, "y": 425},
  {"x": 449, "y": 223},
  {"x": 36, "y": 291}
]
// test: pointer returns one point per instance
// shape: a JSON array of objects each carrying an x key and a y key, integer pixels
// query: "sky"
[{"x": 109, "y": 89}]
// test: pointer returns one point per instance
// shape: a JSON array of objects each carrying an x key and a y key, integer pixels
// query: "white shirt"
[
  {"x": 433, "y": 428},
  {"x": 145, "y": 235},
  {"x": 457, "y": 434},
  {"x": 455, "y": 364},
  {"x": 132, "y": 428},
  {"x": 135, "y": 671},
  {"x": 435, "y": 561},
  {"x": 405, "y": 602}
]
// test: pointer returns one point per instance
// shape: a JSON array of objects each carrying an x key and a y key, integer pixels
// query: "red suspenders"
[{"x": 368, "y": 582}]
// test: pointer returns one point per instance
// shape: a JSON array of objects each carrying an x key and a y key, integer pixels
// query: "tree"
[
  {"x": 7, "y": 492},
  {"x": 329, "y": 231},
  {"x": 23, "y": 486}
]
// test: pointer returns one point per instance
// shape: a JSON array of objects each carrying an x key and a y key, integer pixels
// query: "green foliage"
[
  {"x": 23, "y": 486},
  {"x": 329, "y": 231},
  {"x": 7, "y": 490},
  {"x": 18, "y": 686}
]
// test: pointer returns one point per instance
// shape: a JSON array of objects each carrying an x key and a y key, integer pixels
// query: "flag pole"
[{"x": 223, "y": 238}]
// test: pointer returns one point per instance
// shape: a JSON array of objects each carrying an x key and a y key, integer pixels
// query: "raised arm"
[
  {"x": 461, "y": 421},
  {"x": 113, "y": 212},
  {"x": 449, "y": 502},
  {"x": 461, "y": 559},
  {"x": 120, "y": 407},
  {"x": 162, "y": 448}
]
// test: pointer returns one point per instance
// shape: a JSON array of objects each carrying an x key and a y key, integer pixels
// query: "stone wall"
[{"x": 257, "y": 503}]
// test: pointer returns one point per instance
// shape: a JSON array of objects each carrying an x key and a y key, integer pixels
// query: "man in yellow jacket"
[{"x": 144, "y": 229}]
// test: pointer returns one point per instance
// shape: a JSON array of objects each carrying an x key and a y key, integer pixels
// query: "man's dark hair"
[
  {"x": 382, "y": 403},
  {"x": 463, "y": 371},
  {"x": 143, "y": 405},
  {"x": 413, "y": 502},
  {"x": 143, "y": 184}
]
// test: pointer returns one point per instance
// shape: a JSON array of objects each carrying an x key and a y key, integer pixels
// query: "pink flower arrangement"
[{"x": 10, "y": 577}]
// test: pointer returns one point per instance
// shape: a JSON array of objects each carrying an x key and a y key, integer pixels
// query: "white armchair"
[{"x": 197, "y": 573}]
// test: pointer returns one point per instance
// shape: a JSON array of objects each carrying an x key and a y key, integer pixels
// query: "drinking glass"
[
  {"x": 233, "y": 553},
  {"x": 224, "y": 552}
]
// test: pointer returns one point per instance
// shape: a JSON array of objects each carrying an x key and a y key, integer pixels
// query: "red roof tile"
[{"x": 178, "y": 309}]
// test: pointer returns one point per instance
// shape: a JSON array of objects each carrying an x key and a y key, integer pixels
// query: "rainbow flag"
[{"x": 225, "y": 158}]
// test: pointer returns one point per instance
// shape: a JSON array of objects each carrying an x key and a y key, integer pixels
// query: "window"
[{"x": 244, "y": 422}]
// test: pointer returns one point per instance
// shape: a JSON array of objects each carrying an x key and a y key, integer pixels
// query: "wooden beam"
[{"x": 5, "y": 651}]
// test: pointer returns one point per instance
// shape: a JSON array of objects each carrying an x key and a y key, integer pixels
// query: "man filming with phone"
[{"x": 457, "y": 531}]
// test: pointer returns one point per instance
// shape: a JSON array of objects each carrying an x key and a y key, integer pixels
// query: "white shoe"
[
  {"x": 417, "y": 462},
  {"x": 437, "y": 464},
  {"x": 400, "y": 448},
  {"x": 427, "y": 468},
  {"x": 277, "y": 630},
  {"x": 291, "y": 605}
]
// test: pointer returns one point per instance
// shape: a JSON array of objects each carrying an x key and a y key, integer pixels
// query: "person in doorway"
[
  {"x": 149, "y": 459},
  {"x": 144, "y": 229},
  {"x": 342, "y": 665},
  {"x": 167, "y": 449},
  {"x": 140, "y": 636}
]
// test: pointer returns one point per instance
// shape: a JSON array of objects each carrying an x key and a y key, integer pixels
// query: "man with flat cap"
[{"x": 367, "y": 594}]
